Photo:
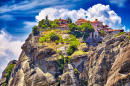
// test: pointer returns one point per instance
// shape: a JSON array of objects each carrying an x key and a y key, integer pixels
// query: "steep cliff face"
[{"x": 108, "y": 64}]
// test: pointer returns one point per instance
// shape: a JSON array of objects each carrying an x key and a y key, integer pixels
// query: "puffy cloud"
[
  {"x": 10, "y": 49},
  {"x": 105, "y": 14},
  {"x": 120, "y": 3},
  {"x": 54, "y": 13},
  {"x": 101, "y": 12}
]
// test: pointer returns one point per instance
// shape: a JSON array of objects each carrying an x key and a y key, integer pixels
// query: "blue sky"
[{"x": 17, "y": 17}]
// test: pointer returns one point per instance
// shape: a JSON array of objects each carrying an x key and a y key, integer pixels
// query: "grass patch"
[
  {"x": 78, "y": 52},
  {"x": 119, "y": 34}
]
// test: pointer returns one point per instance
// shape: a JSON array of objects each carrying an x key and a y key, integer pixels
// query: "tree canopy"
[
  {"x": 72, "y": 26},
  {"x": 87, "y": 27},
  {"x": 35, "y": 30},
  {"x": 69, "y": 21}
]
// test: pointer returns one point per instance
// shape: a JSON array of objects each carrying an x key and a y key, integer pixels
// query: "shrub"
[
  {"x": 50, "y": 37},
  {"x": 128, "y": 37},
  {"x": 86, "y": 82},
  {"x": 60, "y": 63},
  {"x": 102, "y": 33},
  {"x": 58, "y": 83},
  {"x": 8, "y": 72},
  {"x": 43, "y": 26},
  {"x": 69, "y": 59},
  {"x": 75, "y": 71},
  {"x": 58, "y": 51},
  {"x": 53, "y": 36},
  {"x": 4, "y": 84},
  {"x": 119, "y": 34},
  {"x": 56, "y": 41},
  {"x": 42, "y": 39},
  {"x": 72, "y": 47},
  {"x": 35, "y": 30}
]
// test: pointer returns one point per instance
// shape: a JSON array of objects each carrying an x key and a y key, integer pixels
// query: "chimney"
[{"x": 96, "y": 19}]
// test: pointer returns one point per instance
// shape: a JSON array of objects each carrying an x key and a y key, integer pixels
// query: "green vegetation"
[
  {"x": 45, "y": 23},
  {"x": 78, "y": 52},
  {"x": 58, "y": 51},
  {"x": 81, "y": 31},
  {"x": 4, "y": 84},
  {"x": 69, "y": 21},
  {"x": 119, "y": 34},
  {"x": 102, "y": 33},
  {"x": 75, "y": 71},
  {"x": 128, "y": 37},
  {"x": 50, "y": 37},
  {"x": 58, "y": 83},
  {"x": 8, "y": 72},
  {"x": 86, "y": 27},
  {"x": 72, "y": 26},
  {"x": 35, "y": 30},
  {"x": 72, "y": 47},
  {"x": 86, "y": 82},
  {"x": 60, "y": 63},
  {"x": 69, "y": 59}
]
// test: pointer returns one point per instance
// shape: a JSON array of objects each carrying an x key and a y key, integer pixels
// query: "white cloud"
[
  {"x": 6, "y": 17},
  {"x": 101, "y": 12},
  {"x": 29, "y": 24},
  {"x": 105, "y": 14},
  {"x": 54, "y": 13},
  {"x": 29, "y": 5},
  {"x": 10, "y": 49},
  {"x": 120, "y": 3}
]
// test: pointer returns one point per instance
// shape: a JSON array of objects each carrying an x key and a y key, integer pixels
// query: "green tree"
[
  {"x": 53, "y": 26},
  {"x": 47, "y": 21},
  {"x": 102, "y": 33},
  {"x": 56, "y": 22},
  {"x": 35, "y": 30},
  {"x": 72, "y": 26},
  {"x": 40, "y": 23},
  {"x": 43, "y": 27},
  {"x": 69, "y": 21},
  {"x": 53, "y": 36},
  {"x": 87, "y": 27},
  {"x": 72, "y": 47}
]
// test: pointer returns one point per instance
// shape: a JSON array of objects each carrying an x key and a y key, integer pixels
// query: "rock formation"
[{"x": 107, "y": 64}]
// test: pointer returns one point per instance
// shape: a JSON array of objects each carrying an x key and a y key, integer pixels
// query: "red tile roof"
[{"x": 115, "y": 30}]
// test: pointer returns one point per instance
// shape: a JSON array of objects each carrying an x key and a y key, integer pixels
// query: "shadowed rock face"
[
  {"x": 3, "y": 78},
  {"x": 107, "y": 64}
]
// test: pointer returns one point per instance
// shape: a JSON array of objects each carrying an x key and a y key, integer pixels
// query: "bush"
[
  {"x": 102, "y": 33},
  {"x": 58, "y": 51},
  {"x": 85, "y": 82},
  {"x": 8, "y": 72},
  {"x": 4, "y": 84},
  {"x": 58, "y": 83},
  {"x": 69, "y": 59},
  {"x": 60, "y": 63},
  {"x": 119, "y": 34},
  {"x": 53, "y": 36},
  {"x": 75, "y": 71},
  {"x": 56, "y": 41},
  {"x": 42, "y": 39},
  {"x": 35, "y": 30},
  {"x": 72, "y": 47}
]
